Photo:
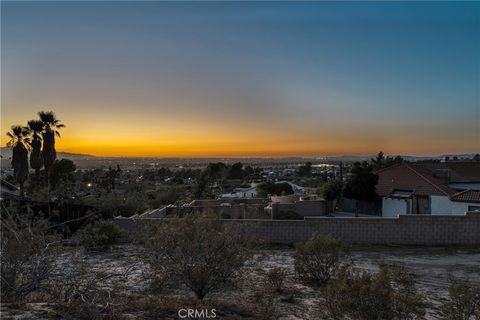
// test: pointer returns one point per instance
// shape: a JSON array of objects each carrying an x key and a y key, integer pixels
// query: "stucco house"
[{"x": 438, "y": 188}]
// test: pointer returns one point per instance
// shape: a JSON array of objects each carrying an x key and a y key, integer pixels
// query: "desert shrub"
[
  {"x": 274, "y": 279},
  {"x": 157, "y": 276},
  {"x": 113, "y": 205},
  {"x": 204, "y": 254},
  {"x": 463, "y": 301},
  {"x": 320, "y": 259},
  {"x": 91, "y": 294},
  {"x": 266, "y": 306},
  {"x": 389, "y": 294},
  {"x": 168, "y": 195},
  {"x": 100, "y": 235},
  {"x": 27, "y": 254}
]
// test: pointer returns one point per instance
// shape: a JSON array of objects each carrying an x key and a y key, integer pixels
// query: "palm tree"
[
  {"x": 50, "y": 129},
  {"x": 19, "y": 142},
  {"x": 36, "y": 159}
]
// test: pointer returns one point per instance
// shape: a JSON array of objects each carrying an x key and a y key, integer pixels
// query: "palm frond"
[
  {"x": 26, "y": 143},
  {"x": 36, "y": 125},
  {"x": 48, "y": 117},
  {"x": 17, "y": 131}
]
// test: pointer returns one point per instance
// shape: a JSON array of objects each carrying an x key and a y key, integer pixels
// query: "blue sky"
[{"x": 340, "y": 77}]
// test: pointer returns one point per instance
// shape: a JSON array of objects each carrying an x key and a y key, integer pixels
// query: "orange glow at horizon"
[
  {"x": 233, "y": 146},
  {"x": 134, "y": 134}
]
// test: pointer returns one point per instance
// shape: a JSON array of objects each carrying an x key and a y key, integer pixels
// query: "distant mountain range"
[{"x": 6, "y": 153}]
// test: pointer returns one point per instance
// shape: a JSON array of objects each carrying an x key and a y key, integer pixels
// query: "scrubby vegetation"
[
  {"x": 320, "y": 259},
  {"x": 27, "y": 254},
  {"x": 275, "y": 279},
  {"x": 389, "y": 294},
  {"x": 463, "y": 301},
  {"x": 100, "y": 235},
  {"x": 196, "y": 256},
  {"x": 204, "y": 254}
]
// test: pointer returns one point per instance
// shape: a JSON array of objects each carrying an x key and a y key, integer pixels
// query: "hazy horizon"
[
  {"x": 246, "y": 79},
  {"x": 319, "y": 157}
]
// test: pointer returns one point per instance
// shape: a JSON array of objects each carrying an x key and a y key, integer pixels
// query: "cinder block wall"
[
  {"x": 301, "y": 208},
  {"x": 405, "y": 230},
  {"x": 236, "y": 211}
]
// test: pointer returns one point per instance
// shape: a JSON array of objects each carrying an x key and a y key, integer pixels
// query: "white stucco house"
[{"x": 437, "y": 188}]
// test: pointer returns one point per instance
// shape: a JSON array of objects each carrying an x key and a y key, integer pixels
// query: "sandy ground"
[{"x": 430, "y": 265}]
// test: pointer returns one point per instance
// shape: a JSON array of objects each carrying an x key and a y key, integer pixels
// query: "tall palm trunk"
[
  {"x": 36, "y": 159},
  {"x": 49, "y": 153}
]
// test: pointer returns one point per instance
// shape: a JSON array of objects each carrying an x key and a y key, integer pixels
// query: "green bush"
[
  {"x": 388, "y": 295},
  {"x": 100, "y": 235},
  {"x": 463, "y": 301},
  {"x": 320, "y": 259}
]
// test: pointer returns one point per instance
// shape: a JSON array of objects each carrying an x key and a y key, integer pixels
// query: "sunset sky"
[{"x": 246, "y": 78}]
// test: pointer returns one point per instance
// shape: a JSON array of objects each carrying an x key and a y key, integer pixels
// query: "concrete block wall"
[
  {"x": 301, "y": 208},
  {"x": 405, "y": 230},
  {"x": 233, "y": 201},
  {"x": 236, "y": 211}
]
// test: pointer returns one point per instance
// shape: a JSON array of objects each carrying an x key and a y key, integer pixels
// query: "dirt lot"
[{"x": 134, "y": 299}]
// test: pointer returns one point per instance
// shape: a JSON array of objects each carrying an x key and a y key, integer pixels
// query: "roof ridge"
[
  {"x": 459, "y": 196},
  {"x": 426, "y": 179},
  {"x": 461, "y": 192}
]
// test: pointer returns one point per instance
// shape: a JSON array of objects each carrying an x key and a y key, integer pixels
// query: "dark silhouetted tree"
[
  {"x": 36, "y": 160},
  {"x": 331, "y": 191},
  {"x": 19, "y": 142},
  {"x": 50, "y": 129},
  {"x": 361, "y": 182},
  {"x": 271, "y": 188},
  {"x": 236, "y": 171},
  {"x": 381, "y": 161},
  {"x": 249, "y": 171},
  {"x": 305, "y": 170},
  {"x": 62, "y": 170}
]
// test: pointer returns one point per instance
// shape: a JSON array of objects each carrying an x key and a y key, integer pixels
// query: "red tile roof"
[
  {"x": 403, "y": 177},
  {"x": 467, "y": 196},
  {"x": 459, "y": 171},
  {"x": 421, "y": 178}
]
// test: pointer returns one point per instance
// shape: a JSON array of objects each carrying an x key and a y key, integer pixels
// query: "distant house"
[
  {"x": 439, "y": 188},
  {"x": 247, "y": 192}
]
